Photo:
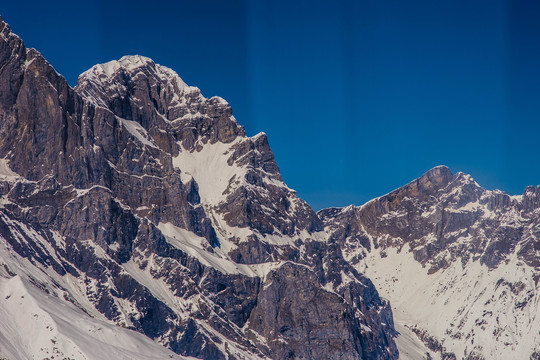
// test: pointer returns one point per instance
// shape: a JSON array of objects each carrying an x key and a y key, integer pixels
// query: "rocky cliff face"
[
  {"x": 133, "y": 201},
  {"x": 134, "y": 208},
  {"x": 444, "y": 248}
]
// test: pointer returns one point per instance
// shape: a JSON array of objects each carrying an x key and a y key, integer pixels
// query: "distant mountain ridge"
[{"x": 444, "y": 248}]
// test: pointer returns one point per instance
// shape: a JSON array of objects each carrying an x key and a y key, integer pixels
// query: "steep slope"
[
  {"x": 138, "y": 202},
  {"x": 37, "y": 325},
  {"x": 237, "y": 178},
  {"x": 460, "y": 264}
]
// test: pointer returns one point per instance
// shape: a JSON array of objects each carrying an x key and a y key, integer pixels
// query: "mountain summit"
[
  {"x": 460, "y": 264},
  {"x": 134, "y": 202},
  {"x": 137, "y": 220}
]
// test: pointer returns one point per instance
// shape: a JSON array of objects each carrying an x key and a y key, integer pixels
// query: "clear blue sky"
[{"x": 357, "y": 97}]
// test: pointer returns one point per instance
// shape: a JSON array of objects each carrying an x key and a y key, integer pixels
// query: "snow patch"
[
  {"x": 36, "y": 325},
  {"x": 472, "y": 304},
  {"x": 196, "y": 247},
  {"x": 138, "y": 131},
  {"x": 6, "y": 173},
  {"x": 209, "y": 168}
]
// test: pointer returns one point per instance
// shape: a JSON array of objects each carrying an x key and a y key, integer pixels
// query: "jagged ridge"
[
  {"x": 444, "y": 248},
  {"x": 134, "y": 199}
]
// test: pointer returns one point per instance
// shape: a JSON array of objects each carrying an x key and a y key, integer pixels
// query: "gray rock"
[{"x": 96, "y": 181}]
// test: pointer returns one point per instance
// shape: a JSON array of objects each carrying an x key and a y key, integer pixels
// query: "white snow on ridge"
[
  {"x": 197, "y": 247},
  {"x": 157, "y": 287},
  {"x": 41, "y": 322},
  {"x": 27, "y": 331},
  {"x": 35, "y": 324},
  {"x": 6, "y": 173},
  {"x": 138, "y": 131},
  {"x": 216, "y": 179},
  {"x": 132, "y": 64},
  {"x": 128, "y": 62},
  {"x": 209, "y": 168},
  {"x": 468, "y": 302}
]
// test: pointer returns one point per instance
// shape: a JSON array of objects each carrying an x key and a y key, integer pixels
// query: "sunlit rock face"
[
  {"x": 459, "y": 263},
  {"x": 133, "y": 202}
]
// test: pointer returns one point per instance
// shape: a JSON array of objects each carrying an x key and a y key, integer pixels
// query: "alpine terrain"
[
  {"x": 138, "y": 221},
  {"x": 459, "y": 264},
  {"x": 135, "y": 209}
]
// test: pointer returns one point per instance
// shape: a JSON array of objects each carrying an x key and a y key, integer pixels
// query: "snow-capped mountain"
[
  {"x": 137, "y": 220},
  {"x": 459, "y": 264}
]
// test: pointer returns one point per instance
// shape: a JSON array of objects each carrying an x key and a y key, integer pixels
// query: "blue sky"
[{"x": 357, "y": 97}]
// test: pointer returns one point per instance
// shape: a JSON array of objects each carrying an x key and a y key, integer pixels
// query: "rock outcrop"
[
  {"x": 443, "y": 247},
  {"x": 134, "y": 199}
]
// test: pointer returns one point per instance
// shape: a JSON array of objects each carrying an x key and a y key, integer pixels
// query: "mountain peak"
[
  {"x": 4, "y": 28},
  {"x": 131, "y": 65},
  {"x": 131, "y": 73},
  {"x": 169, "y": 220},
  {"x": 127, "y": 63},
  {"x": 427, "y": 184},
  {"x": 431, "y": 181},
  {"x": 438, "y": 174}
]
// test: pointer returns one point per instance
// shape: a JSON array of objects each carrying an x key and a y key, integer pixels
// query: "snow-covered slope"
[
  {"x": 46, "y": 315},
  {"x": 468, "y": 308},
  {"x": 37, "y": 324},
  {"x": 137, "y": 218},
  {"x": 457, "y": 262}
]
